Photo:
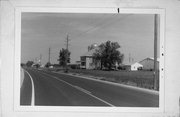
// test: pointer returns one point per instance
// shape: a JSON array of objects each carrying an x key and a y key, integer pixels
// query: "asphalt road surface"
[{"x": 43, "y": 88}]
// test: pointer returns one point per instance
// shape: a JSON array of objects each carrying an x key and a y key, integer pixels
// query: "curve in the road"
[{"x": 33, "y": 90}]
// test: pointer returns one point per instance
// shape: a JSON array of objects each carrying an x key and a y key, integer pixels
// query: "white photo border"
[{"x": 17, "y": 58}]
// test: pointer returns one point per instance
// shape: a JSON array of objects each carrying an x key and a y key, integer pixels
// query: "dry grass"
[{"x": 143, "y": 79}]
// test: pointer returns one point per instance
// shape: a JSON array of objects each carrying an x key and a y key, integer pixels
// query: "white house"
[
  {"x": 133, "y": 66},
  {"x": 136, "y": 66},
  {"x": 148, "y": 63}
]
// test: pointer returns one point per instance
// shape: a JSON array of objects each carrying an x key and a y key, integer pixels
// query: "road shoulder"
[{"x": 100, "y": 79}]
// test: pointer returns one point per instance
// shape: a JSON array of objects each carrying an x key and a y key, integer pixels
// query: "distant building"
[
  {"x": 148, "y": 63},
  {"x": 51, "y": 66},
  {"x": 132, "y": 67},
  {"x": 136, "y": 66},
  {"x": 75, "y": 65},
  {"x": 42, "y": 66},
  {"x": 56, "y": 66},
  {"x": 87, "y": 60},
  {"x": 78, "y": 63}
]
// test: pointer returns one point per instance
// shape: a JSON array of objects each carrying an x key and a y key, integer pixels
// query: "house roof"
[
  {"x": 151, "y": 58},
  {"x": 158, "y": 59},
  {"x": 137, "y": 63},
  {"x": 129, "y": 64}
]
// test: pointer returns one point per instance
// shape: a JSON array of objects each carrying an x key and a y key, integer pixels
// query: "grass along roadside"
[{"x": 143, "y": 79}]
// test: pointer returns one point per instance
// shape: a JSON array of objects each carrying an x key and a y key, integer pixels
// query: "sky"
[{"x": 41, "y": 31}]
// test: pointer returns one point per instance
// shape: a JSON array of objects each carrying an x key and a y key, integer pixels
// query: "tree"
[
  {"x": 108, "y": 54},
  {"x": 64, "y": 57},
  {"x": 48, "y": 64},
  {"x": 23, "y": 64},
  {"x": 92, "y": 46},
  {"x": 29, "y": 63}
]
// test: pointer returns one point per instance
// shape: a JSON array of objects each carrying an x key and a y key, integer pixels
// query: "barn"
[{"x": 148, "y": 63}]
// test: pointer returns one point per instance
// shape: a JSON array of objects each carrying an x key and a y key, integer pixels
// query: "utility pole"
[
  {"x": 155, "y": 50},
  {"x": 67, "y": 53},
  {"x": 129, "y": 57},
  {"x": 40, "y": 59},
  {"x": 49, "y": 55}
]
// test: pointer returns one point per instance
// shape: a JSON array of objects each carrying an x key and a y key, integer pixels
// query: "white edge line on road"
[
  {"x": 22, "y": 76},
  {"x": 33, "y": 91},
  {"x": 85, "y": 91},
  {"x": 116, "y": 84},
  {"x": 82, "y": 90}
]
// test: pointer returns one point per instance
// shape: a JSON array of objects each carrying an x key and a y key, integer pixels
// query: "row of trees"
[
  {"x": 30, "y": 64},
  {"x": 64, "y": 58},
  {"x": 107, "y": 54}
]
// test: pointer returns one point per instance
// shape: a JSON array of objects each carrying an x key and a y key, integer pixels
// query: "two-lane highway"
[{"x": 58, "y": 89}]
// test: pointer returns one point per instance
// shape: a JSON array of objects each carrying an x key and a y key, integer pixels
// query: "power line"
[
  {"x": 114, "y": 21},
  {"x": 102, "y": 24},
  {"x": 97, "y": 25}
]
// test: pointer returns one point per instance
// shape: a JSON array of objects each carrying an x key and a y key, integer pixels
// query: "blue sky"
[{"x": 41, "y": 31}]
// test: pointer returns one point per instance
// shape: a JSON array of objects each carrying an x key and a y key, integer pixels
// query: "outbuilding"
[
  {"x": 132, "y": 67},
  {"x": 148, "y": 63}
]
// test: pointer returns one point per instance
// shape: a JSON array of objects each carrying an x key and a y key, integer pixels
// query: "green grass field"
[{"x": 144, "y": 79}]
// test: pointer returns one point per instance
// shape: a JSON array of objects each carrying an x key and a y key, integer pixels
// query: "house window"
[
  {"x": 83, "y": 58},
  {"x": 83, "y": 63}
]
